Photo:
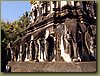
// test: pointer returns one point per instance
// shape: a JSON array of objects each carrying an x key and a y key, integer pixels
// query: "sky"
[{"x": 13, "y": 10}]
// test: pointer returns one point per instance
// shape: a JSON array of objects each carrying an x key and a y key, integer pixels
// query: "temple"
[{"x": 59, "y": 31}]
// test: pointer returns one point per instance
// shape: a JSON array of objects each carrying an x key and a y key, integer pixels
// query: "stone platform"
[{"x": 52, "y": 66}]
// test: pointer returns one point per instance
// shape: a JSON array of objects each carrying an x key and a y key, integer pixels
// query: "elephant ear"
[{"x": 60, "y": 30}]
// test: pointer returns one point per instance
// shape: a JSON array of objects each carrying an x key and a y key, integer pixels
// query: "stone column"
[
  {"x": 56, "y": 4},
  {"x": 51, "y": 7},
  {"x": 54, "y": 49},
  {"x": 41, "y": 59},
  {"x": 12, "y": 54},
  {"x": 20, "y": 53},
  {"x": 15, "y": 57},
  {"x": 63, "y": 3},
  {"x": 69, "y": 3},
  {"x": 41, "y": 53},
  {"x": 36, "y": 50},
  {"x": 27, "y": 58},
  {"x": 62, "y": 46},
  {"x": 40, "y": 11},
  {"x": 47, "y": 32},
  {"x": 32, "y": 10},
  {"x": 38, "y": 8},
  {"x": 45, "y": 51},
  {"x": 59, "y": 6},
  {"x": 18, "y": 48},
  {"x": 92, "y": 48},
  {"x": 57, "y": 56},
  {"x": 30, "y": 53},
  {"x": 78, "y": 4},
  {"x": 72, "y": 3},
  {"x": 55, "y": 45}
]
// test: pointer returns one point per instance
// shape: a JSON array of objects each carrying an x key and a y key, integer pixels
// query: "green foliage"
[
  {"x": 10, "y": 31},
  {"x": 25, "y": 19}
]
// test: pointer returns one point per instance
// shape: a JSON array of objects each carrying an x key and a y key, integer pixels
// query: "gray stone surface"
[{"x": 52, "y": 66}]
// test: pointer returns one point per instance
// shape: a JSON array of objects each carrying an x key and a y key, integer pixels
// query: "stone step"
[{"x": 52, "y": 66}]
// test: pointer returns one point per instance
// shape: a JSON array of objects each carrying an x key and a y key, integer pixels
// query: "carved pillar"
[
  {"x": 54, "y": 49},
  {"x": 41, "y": 52},
  {"x": 54, "y": 2},
  {"x": 69, "y": 3},
  {"x": 27, "y": 58},
  {"x": 92, "y": 47},
  {"x": 30, "y": 53},
  {"x": 57, "y": 56},
  {"x": 62, "y": 46},
  {"x": 20, "y": 53},
  {"x": 38, "y": 3},
  {"x": 47, "y": 32},
  {"x": 18, "y": 49},
  {"x": 63, "y": 3},
  {"x": 12, "y": 54},
  {"x": 54, "y": 45},
  {"x": 72, "y": 3},
  {"x": 40, "y": 11},
  {"x": 51, "y": 7},
  {"x": 15, "y": 53},
  {"x": 36, "y": 50},
  {"x": 59, "y": 6},
  {"x": 45, "y": 46},
  {"x": 32, "y": 12},
  {"x": 39, "y": 49}
]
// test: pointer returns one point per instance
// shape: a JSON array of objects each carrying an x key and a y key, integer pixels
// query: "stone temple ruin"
[{"x": 60, "y": 31}]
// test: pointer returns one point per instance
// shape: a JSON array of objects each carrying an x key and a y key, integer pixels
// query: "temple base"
[{"x": 52, "y": 67}]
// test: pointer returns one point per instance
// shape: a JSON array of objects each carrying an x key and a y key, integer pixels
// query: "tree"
[
  {"x": 15, "y": 29},
  {"x": 10, "y": 31},
  {"x": 25, "y": 20}
]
